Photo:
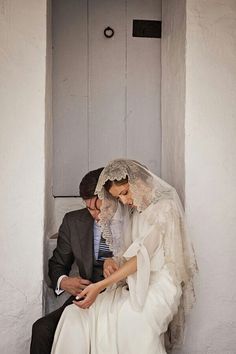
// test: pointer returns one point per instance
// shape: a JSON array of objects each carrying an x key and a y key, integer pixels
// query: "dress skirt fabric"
[
  {"x": 130, "y": 318},
  {"x": 112, "y": 326}
]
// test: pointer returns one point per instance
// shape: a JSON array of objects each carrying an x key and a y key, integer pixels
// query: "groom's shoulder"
[{"x": 82, "y": 215}]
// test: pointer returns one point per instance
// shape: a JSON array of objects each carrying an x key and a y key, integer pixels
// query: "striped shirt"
[{"x": 101, "y": 249}]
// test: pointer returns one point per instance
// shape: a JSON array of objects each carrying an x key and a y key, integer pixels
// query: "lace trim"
[{"x": 146, "y": 189}]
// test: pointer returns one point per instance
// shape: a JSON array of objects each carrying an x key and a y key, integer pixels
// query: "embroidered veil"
[{"x": 148, "y": 189}]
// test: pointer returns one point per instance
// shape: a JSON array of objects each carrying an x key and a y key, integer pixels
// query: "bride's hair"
[{"x": 110, "y": 183}]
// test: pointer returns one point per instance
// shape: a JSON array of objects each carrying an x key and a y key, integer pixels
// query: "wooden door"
[{"x": 106, "y": 91}]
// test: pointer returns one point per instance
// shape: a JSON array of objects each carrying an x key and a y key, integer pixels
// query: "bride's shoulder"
[
  {"x": 157, "y": 212},
  {"x": 162, "y": 205}
]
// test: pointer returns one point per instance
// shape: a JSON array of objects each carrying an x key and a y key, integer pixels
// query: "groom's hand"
[{"x": 74, "y": 285}]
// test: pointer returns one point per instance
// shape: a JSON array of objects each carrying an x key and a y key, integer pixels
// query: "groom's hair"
[{"x": 88, "y": 183}]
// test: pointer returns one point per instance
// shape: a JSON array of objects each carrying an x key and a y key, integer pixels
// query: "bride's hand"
[
  {"x": 109, "y": 267},
  {"x": 88, "y": 295}
]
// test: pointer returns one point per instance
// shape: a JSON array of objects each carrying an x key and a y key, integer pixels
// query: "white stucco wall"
[
  {"x": 173, "y": 93},
  {"x": 22, "y": 115},
  {"x": 210, "y": 161},
  {"x": 209, "y": 157}
]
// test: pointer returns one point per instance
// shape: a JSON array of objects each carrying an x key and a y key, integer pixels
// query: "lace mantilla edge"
[{"x": 146, "y": 188}]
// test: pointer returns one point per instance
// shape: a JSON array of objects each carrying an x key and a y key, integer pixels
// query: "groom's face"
[{"x": 93, "y": 205}]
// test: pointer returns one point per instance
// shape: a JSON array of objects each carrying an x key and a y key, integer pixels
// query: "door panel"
[
  {"x": 106, "y": 92},
  {"x": 107, "y": 81},
  {"x": 69, "y": 95},
  {"x": 143, "y": 88}
]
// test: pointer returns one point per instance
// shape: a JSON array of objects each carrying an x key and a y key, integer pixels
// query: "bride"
[{"x": 148, "y": 286}]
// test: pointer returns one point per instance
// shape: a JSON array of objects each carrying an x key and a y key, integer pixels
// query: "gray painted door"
[{"x": 106, "y": 91}]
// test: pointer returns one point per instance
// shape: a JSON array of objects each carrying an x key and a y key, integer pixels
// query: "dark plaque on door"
[{"x": 147, "y": 28}]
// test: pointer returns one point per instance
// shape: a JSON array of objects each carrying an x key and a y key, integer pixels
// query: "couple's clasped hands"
[{"x": 85, "y": 291}]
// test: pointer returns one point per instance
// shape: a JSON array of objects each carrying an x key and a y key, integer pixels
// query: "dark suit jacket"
[{"x": 75, "y": 243}]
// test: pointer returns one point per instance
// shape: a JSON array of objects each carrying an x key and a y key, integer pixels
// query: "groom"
[{"x": 79, "y": 240}]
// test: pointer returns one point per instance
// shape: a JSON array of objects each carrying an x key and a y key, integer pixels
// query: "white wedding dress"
[{"x": 129, "y": 321}]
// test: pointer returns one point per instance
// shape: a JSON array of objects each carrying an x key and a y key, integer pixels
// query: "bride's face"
[{"x": 122, "y": 192}]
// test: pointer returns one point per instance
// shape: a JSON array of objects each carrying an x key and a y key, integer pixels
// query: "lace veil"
[{"x": 115, "y": 220}]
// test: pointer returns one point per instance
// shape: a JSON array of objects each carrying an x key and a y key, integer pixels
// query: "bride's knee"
[
  {"x": 74, "y": 317},
  {"x": 71, "y": 312}
]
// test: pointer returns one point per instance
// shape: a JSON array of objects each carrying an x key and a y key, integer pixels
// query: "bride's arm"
[
  {"x": 91, "y": 292},
  {"x": 126, "y": 269}
]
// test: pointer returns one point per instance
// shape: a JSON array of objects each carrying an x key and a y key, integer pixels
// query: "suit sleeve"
[{"x": 61, "y": 261}]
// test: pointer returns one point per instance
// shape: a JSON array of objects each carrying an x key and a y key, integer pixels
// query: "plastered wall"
[
  {"x": 22, "y": 155},
  {"x": 209, "y": 160},
  {"x": 210, "y": 164}
]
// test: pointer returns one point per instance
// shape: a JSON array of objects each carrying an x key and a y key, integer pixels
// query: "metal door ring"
[{"x": 108, "y": 32}]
